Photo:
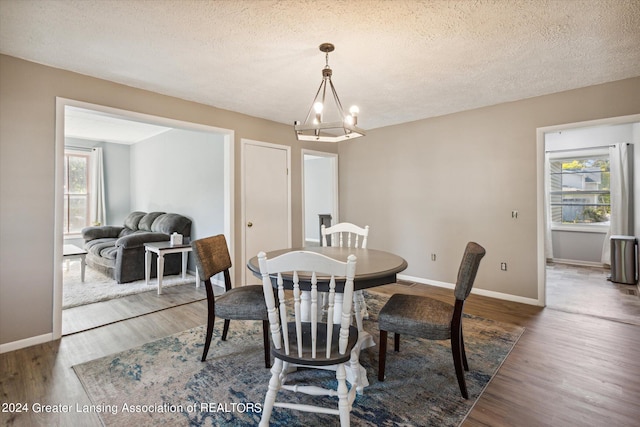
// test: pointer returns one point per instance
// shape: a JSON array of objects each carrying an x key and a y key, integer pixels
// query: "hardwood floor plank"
[
  {"x": 85, "y": 317},
  {"x": 566, "y": 370}
]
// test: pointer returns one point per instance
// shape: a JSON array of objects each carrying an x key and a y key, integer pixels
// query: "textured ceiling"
[{"x": 398, "y": 60}]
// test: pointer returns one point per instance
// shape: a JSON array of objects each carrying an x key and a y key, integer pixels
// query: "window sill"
[{"x": 602, "y": 229}]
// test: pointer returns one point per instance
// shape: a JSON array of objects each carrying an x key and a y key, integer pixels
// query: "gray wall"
[
  {"x": 432, "y": 185},
  {"x": 423, "y": 187},
  {"x": 27, "y": 172}
]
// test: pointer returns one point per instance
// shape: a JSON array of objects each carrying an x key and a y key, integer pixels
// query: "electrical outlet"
[
  {"x": 433, "y": 257},
  {"x": 503, "y": 266},
  {"x": 514, "y": 214}
]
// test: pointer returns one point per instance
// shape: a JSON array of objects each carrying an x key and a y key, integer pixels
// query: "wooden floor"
[{"x": 566, "y": 370}]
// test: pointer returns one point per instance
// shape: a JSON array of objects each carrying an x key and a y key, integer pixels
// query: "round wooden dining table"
[{"x": 373, "y": 268}]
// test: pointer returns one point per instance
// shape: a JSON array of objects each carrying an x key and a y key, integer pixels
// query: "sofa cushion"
[
  {"x": 133, "y": 219},
  {"x": 169, "y": 223},
  {"x": 147, "y": 221},
  {"x": 109, "y": 252},
  {"x": 96, "y": 246},
  {"x": 126, "y": 231},
  {"x": 139, "y": 238},
  {"x": 101, "y": 232}
]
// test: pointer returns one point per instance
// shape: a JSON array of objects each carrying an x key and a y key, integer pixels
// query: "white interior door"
[{"x": 266, "y": 200}]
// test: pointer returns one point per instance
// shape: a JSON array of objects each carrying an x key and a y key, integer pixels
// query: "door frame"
[
  {"x": 335, "y": 212},
  {"x": 243, "y": 193},
  {"x": 61, "y": 103},
  {"x": 540, "y": 155}
]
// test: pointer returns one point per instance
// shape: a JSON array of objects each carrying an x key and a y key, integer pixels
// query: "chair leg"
[
  {"x": 396, "y": 342},
  {"x": 382, "y": 355},
  {"x": 267, "y": 344},
  {"x": 343, "y": 396},
  {"x": 211, "y": 317},
  {"x": 464, "y": 354},
  {"x": 456, "y": 350},
  {"x": 225, "y": 329},
  {"x": 270, "y": 398}
]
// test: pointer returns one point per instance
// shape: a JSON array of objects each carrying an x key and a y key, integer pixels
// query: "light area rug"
[
  {"x": 164, "y": 382},
  {"x": 98, "y": 287}
]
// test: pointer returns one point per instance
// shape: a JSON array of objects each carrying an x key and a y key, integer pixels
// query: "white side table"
[
  {"x": 72, "y": 251},
  {"x": 161, "y": 249}
]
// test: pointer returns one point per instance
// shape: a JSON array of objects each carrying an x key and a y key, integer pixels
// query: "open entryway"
[
  {"x": 150, "y": 164},
  {"x": 319, "y": 193},
  {"x": 574, "y": 217}
]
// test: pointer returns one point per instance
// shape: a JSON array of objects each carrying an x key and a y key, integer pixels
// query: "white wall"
[{"x": 181, "y": 171}]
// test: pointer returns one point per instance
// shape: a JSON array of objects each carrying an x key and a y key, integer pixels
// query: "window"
[
  {"x": 76, "y": 191},
  {"x": 580, "y": 190}
]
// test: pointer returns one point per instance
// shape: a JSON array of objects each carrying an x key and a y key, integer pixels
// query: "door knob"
[{"x": 249, "y": 224}]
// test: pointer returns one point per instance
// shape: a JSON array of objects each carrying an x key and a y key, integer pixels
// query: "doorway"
[
  {"x": 224, "y": 218},
  {"x": 590, "y": 134},
  {"x": 319, "y": 193},
  {"x": 266, "y": 200}
]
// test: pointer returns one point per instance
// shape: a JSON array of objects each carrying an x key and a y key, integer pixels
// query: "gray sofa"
[{"x": 118, "y": 251}]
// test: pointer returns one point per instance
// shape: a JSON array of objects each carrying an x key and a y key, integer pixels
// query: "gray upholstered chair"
[
  {"x": 241, "y": 303},
  {"x": 431, "y": 319}
]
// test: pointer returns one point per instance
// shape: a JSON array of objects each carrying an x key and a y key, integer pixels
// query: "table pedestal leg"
[
  {"x": 305, "y": 306},
  {"x": 363, "y": 381}
]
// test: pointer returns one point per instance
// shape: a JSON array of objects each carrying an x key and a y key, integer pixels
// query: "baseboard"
[
  {"x": 27, "y": 342},
  {"x": 578, "y": 263},
  {"x": 477, "y": 291}
]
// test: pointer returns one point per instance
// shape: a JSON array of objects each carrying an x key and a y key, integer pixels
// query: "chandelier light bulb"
[
  {"x": 318, "y": 107},
  {"x": 354, "y": 110}
]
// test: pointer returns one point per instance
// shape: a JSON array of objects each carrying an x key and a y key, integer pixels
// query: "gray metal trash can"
[{"x": 624, "y": 259}]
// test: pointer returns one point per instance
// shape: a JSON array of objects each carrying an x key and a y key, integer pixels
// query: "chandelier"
[{"x": 325, "y": 123}]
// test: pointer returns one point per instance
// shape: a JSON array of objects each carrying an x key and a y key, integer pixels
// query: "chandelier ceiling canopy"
[{"x": 327, "y": 122}]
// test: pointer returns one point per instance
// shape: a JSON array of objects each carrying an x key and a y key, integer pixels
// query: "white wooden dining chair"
[
  {"x": 346, "y": 234},
  {"x": 309, "y": 344}
]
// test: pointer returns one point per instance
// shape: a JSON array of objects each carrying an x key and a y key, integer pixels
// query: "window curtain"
[
  {"x": 97, "y": 208},
  {"x": 548, "y": 242},
  {"x": 621, "y": 196}
]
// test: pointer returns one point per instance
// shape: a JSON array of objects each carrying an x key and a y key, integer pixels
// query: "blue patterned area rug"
[{"x": 164, "y": 382}]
